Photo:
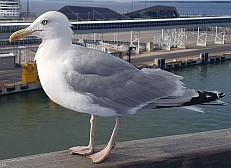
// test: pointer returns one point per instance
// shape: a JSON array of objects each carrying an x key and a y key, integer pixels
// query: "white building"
[{"x": 10, "y": 9}]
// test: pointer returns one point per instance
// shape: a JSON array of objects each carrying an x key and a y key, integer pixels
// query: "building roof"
[
  {"x": 6, "y": 55},
  {"x": 90, "y": 13},
  {"x": 27, "y": 15},
  {"x": 155, "y": 12}
]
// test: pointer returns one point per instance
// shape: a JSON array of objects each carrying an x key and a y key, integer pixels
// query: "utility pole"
[
  {"x": 129, "y": 53},
  {"x": 132, "y": 6},
  {"x": 27, "y": 8}
]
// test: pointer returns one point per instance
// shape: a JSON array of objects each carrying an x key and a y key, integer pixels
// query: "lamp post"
[
  {"x": 132, "y": 6},
  {"x": 93, "y": 14},
  {"x": 88, "y": 15},
  {"x": 77, "y": 16},
  {"x": 129, "y": 53}
]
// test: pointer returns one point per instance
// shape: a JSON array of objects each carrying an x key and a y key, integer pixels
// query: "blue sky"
[
  {"x": 127, "y": 1},
  {"x": 40, "y": 6},
  {"x": 124, "y": 0}
]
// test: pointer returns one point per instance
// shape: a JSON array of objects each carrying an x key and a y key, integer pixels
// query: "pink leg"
[
  {"x": 86, "y": 150},
  {"x": 103, "y": 154}
]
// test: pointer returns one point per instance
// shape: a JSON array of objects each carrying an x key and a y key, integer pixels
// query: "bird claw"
[
  {"x": 101, "y": 155},
  {"x": 81, "y": 150}
]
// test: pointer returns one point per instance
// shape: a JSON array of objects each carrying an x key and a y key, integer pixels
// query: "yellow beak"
[{"x": 20, "y": 34}]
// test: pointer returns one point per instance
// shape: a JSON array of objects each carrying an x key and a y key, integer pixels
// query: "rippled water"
[{"x": 30, "y": 123}]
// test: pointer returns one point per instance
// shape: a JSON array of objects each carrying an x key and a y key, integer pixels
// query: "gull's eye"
[{"x": 44, "y": 22}]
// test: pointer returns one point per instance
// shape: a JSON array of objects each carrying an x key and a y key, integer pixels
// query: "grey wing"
[
  {"x": 89, "y": 61},
  {"x": 173, "y": 101},
  {"x": 116, "y": 84}
]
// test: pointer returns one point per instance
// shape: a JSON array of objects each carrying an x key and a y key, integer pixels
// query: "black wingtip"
[
  {"x": 220, "y": 95},
  {"x": 204, "y": 97}
]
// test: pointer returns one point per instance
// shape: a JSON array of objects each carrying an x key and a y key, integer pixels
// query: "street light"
[
  {"x": 77, "y": 16},
  {"x": 88, "y": 17},
  {"x": 132, "y": 6},
  {"x": 129, "y": 53},
  {"x": 93, "y": 14}
]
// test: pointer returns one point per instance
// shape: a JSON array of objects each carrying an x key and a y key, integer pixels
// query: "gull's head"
[{"x": 50, "y": 25}]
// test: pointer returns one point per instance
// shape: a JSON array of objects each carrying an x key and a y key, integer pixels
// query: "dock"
[
  {"x": 18, "y": 80},
  {"x": 18, "y": 87},
  {"x": 11, "y": 80},
  {"x": 182, "y": 57},
  {"x": 210, "y": 149}
]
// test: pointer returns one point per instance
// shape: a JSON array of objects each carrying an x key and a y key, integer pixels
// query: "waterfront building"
[
  {"x": 155, "y": 12},
  {"x": 10, "y": 9},
  {"x": 87, "y": 27},
  {"x": 85, "y": 13}
]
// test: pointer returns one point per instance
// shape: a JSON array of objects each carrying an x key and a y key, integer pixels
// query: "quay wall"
[{"x": 210, "y": 149}]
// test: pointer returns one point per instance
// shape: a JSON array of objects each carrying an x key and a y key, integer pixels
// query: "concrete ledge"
[{"x": 198, "y": 150}]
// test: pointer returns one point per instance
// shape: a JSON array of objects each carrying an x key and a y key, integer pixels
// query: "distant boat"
[{"x": 10, "y": 9}]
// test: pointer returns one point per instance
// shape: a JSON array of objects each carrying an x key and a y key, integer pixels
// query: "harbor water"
[{"x": 30, "y": 123}]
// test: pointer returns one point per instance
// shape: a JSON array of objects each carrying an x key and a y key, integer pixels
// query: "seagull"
[{"x": 94, "y": 82}]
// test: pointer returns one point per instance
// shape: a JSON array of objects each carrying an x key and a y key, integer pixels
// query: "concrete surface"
[
  {"x": 198, "y": 150},
  {"x": 192, "y": 51},
  {"x": 10, "y": 76},
  {"x": 14, "y": 75}
]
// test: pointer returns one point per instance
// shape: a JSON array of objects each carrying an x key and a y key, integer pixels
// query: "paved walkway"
[
  {"x": 10, "y": 76},
  {"x": 148, "y": 58},
  {"x": 14, "y": 75}
]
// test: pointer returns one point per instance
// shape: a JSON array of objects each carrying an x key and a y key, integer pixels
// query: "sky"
[
  {"x": 123, "y": 6},
  {"x": 122, "y": 0}
]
